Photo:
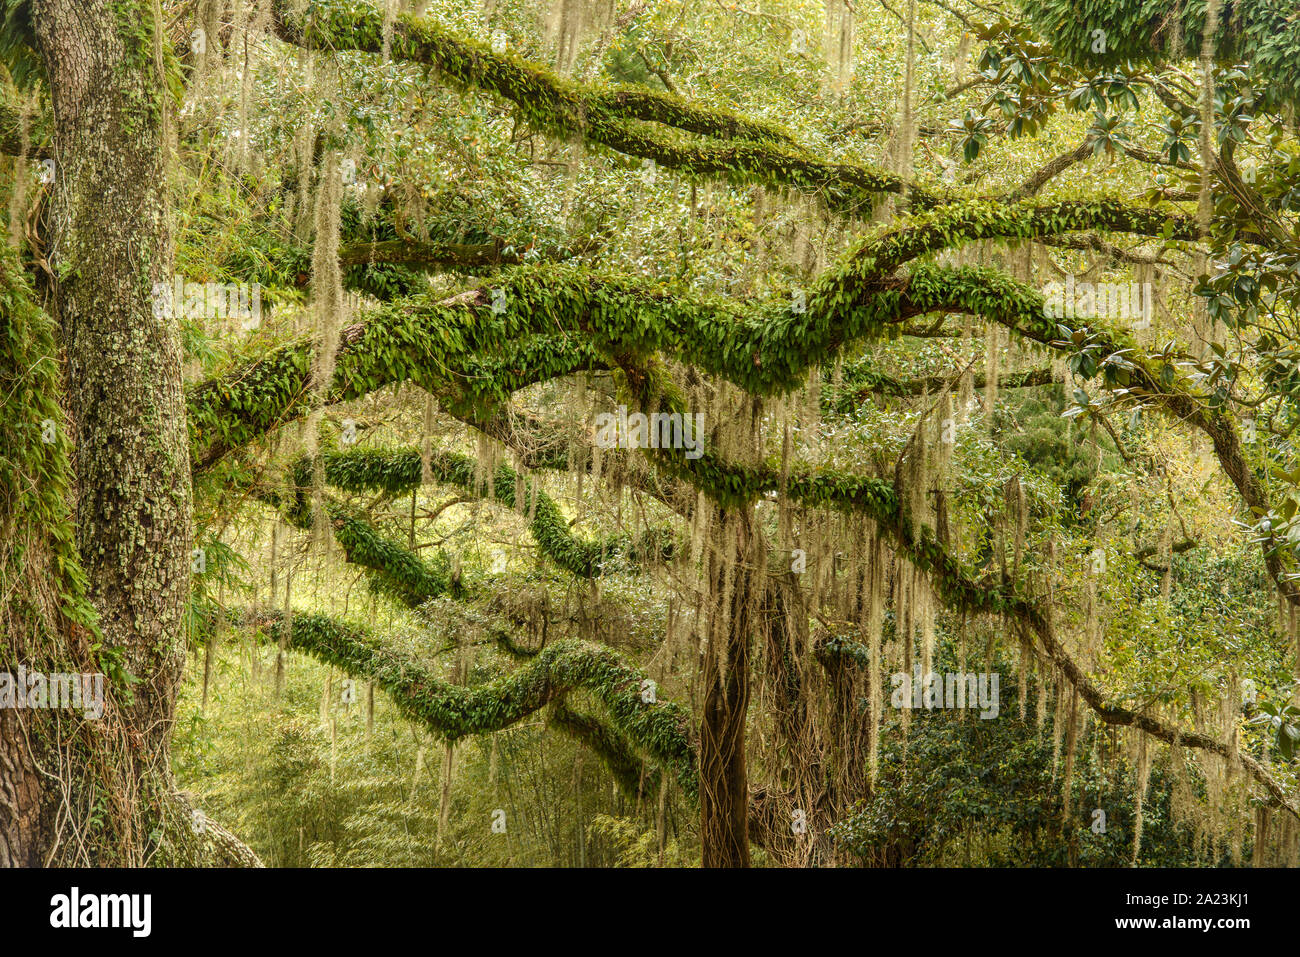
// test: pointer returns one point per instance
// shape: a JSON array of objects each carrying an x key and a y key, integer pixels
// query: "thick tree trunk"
[
  {"x": 109, "y": 245},
  {"x": 724, "y": 784}
]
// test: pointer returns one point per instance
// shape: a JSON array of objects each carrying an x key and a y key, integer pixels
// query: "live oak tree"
[
  {"x": 838, "y": 528},
  {"x": 110, "y": 461}
]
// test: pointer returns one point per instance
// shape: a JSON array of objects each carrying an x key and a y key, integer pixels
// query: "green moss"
[
  {"x": 400, "y": 470},
  {"x": 634, "y": 121},
  {"x": 35, "y": 482},
  {"x": 661, "y": 729},
  {"x": 1265, "y": 34}
]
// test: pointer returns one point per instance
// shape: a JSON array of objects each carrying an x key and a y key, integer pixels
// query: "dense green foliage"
[{"x": 477, "y": 231}]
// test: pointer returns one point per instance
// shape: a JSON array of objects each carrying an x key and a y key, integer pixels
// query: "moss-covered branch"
[
  {"x": 864, "y": 380},
  {"x": 548, "y": 100},
  {"x": 394, "y": 344},
  {"x": 636, "y": 122},
  {"x": 659, "y": 729},
  {"x": 961, "y": 223},
  {"x": 400, "y": 470},
  {"x": 393, "y": 570}
]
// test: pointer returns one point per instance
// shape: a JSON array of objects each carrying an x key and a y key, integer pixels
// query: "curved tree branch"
[{"x": 660, "y": 729}]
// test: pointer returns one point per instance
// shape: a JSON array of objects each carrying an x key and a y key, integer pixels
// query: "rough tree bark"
[{"x": 109, "y": 244}]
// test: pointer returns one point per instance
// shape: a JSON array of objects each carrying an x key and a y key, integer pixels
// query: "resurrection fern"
[
  {"x": 35, "y": 481},
  {"x": 1263, "y": 33},
  {"x": 632, "y": 121},
  {"x": 398, "y": 471},
  {"x": 659, "y": 729}
]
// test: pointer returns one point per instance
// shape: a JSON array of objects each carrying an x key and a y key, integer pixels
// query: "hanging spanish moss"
[
  {"x": 1025, "y": 663},
  {"x": 1040, "y": 712},
  {"x": 18, "y": 194},
  {"x": 1184, "y": 807},
  {"x": 1167, "y": 560},
  {"x": 390, "y": 20},
  {"x": 875, "y": 616},
  {"x": 966, "y": 384},
  {"x": 566, "y": 25},
  {"x": 946, "y": 426},
  {"x": 992, "y": 363},
  {"x": 926, "y": 603},
  {"x": 907, "y": 133},
  {"x": 904, "y": 628},
  {"x": 1058, "y": 718},
  {"x": 1142, "y": 778},
  {"x": 784, "y": 513},
  {"x": 242, "y": 62},
  {"x": 327, "y": 319},
  {"x": 1018, "y": 516},
  {"x": 960, "y": 61},
  {"x": 206, "y": 53},
  {"x": 1071, "y": 746},
  {"x": 1205, "y": 196},
  {"x": 426, "y": 440},
  {"x": 286, "y": 634}
]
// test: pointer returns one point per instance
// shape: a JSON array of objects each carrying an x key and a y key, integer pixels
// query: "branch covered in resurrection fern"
[
  {"x": 399, "y": 470},
  {"x": 660, "y": 729},
  {"x": 557, "y": 320},
  {"x": 636, "y": 122},
  {"x": 974, "y": 220},
  {"x": 394, "y": 344},
  {"x": 635, "y": 776},
  {"x": 392, "y": 569}
]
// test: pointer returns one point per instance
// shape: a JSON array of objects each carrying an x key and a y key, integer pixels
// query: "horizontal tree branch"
[
  {"x": 879, "y": 384},
  {"x": 400, "y": 470},
  {"x": 660, "y": 729},
  {"x": 632, "y": 121}
]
